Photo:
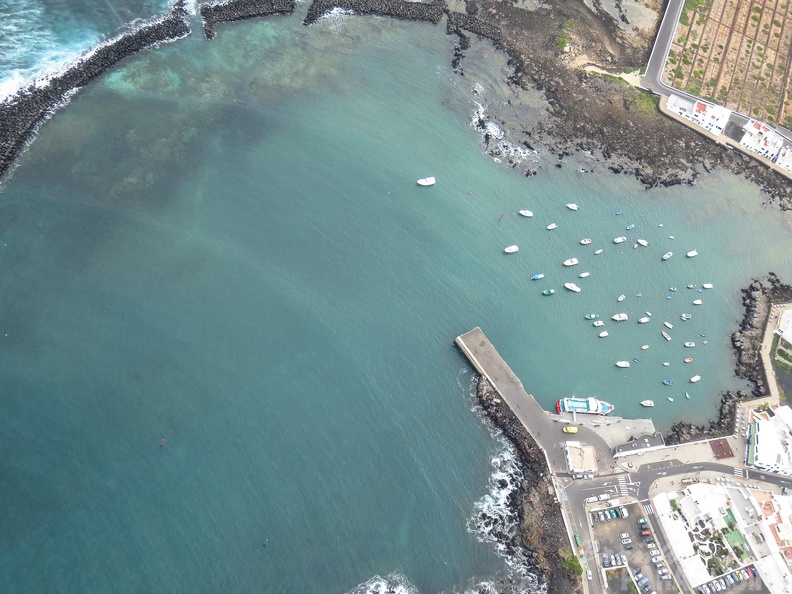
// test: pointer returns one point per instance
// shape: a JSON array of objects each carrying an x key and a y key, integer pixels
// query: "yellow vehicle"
[{"x": 570, "y": 429}]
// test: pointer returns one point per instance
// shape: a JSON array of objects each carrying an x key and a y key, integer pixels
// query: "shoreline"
[{"x": 238, "y": 10}]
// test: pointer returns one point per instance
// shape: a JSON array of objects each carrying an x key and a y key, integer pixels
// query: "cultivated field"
[{"x": 736, "y": 53}]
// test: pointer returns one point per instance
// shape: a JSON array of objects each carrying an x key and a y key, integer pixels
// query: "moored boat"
[
  {"x": 512, "y": 249},
  {"x": 603, "y": 334},
  {"x": 622, "y": 364},
  {"x": 572, "y": 206},
  {"x": 667, "y": 255},
  {"x": 620, "y": 239},
  {"x": 690, "y": 344},
  {"x": 687, "y": 394},
  {"x": 667, "y": 382},
  {"x": 697, "y": 302},
  {"x": 552, "y": 226},
  {"x": 619, "y": 317},
  {"x": 647, "y": 403},
  {"x": 525, "y": 213},
  {"x": 686, "y": 316},
  {"x": 672, "y": 289},
  {"x": 630, "y": 227},
  {"x": 707, "y": 285},
  {"x": 426, "y": 181},
  {"x": 591, "y": 316},
  {"x": 668, "y": 325},
  {"x": 691, "y": 286},
  {"x": 598, "y": 252},
  {"x": 689, "y": 360},
  {"x": 670, "y": 399},
  {"x": 694, "y": 379},
  {"x": 585, "y": 241},
  {"x": 620, "y": 298},
  {"x": 666, "y": 364},
  {"x": 645, "y": 347},
  {"x": 584, "y": 275},
  {"x": 665, "y": 335},
  {"x": 537, "y": 276},
  {"x": 571, "y": 262},
  {"x": 642, "y": 242},
  {"x": 643, "y": 320},
  {"x": 572, "y": 287},
  {"x": 548, "y": 291},
  {"x": 591, "y": 405},
  {"x": 599, "y": 324},
  {"x": 692, "y": 254}
]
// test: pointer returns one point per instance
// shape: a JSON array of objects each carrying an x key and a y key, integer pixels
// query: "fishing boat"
[
  {"x": 666, "y": 364},
  {"x": 687, "y": 394},
  {"x": 630, "y": 226},
  {"x": 643, "y": 320},
  {"x": 537, "y": 276},
  {"x": 671, "y": 237},
  {"x": 525, "y": 213},
  {"x": 692, "y": 254},
  {"x": 426, "y": 181},
  {"x": 667, "y": 255},
  {"x": 572, "y": 206},
  {"x": 620, "y": 211},
  {"x": 707, "y": 285},
  {"x": 591, "y": 316},
  {"x": 667, "y": 382},
  {"x": 670, "y": 399},
  {"x": 512, "y": 249},
  {"x": 622, "y": 364},
  {"x": 647, "y": 403},
  {"x": 585, "y": 241},
  {"x": 572, "y": 287},
  {"x": 648, "y": 313},
  {"x": 599, "y": 324},
  {"x": 598, "y": 252},
  {"x": 584, "y": 275},
  {"x": 691, "y": 286},
  {"x": 620, "y": 239},
  {"x": 689, "y": 360},
  {"x": 620, "y": 298},
  {"x": 603, "y": 334},
  {"x": 645, "y": 347},
  {"x": 552, "y": 226},
  {"x": 690, "y": 344},
  {"x": 669, "y": 297},
  {"x": 642, "y": 242},
  {"x": 665, "y": 335},
  {"x": 672, "y": 289},
  {"x": 635, "y": 246},
  {"x": 694, "y": 379},
  {"x": 548, "y": 291},
  {"x": 571, "y": 262},
  {"x": 668, "y": 325},
  {"x": 620, "y": 317},
  {"x": 697, "y": 302},
  {"x": 686, "y": 316},
  {"x": 592, "y": 406}
]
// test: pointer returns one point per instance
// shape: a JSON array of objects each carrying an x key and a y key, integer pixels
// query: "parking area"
[{"x": 622, "y": 546}]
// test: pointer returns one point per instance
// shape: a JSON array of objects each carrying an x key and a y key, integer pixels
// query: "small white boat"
[
  {"x": 603, "y": 334},
  {"x": 621, "y": 298},
  {"x": 666, "y": 363},
  {"x": 667, "y": 255},
  {"x": 552, "y": 226},
  {"x": 690, "y": 344},
  {"x": 572, "y": 206},
  {"x": 620, "y": 239},
  {"x": 665, "y": 335},
  {"x": 697, "y": 302},
  {"x": 572, "y": 287},
  {"x": 643, "y": 320},
  {"x": 620, "y": 317},
  {"x": 622, "y": 364},
  {"x": 668, "y": 325},
  {"x": 585, "y": 241},
  {"x": 571, "y": 262},
  {"x": 707, "y": 285},
  {"x": 591, "y": 316},
  {"x": 630, "y": 227},
  {"x": 686, "y": 316},
  {"x": 512, "y": 249},
  {"x": 584, "y": 275},
  {"x": 645, "y": 347},
  {"x": 598, "y": 252},
  {"x": 599, "y": 324},
  {"x": 426, "y": 181},
  {"x": 670, "y": 399},
  {"x": 525, "y": 213},
  {"x": 671, "y": 237},
  {"x": 694, "y": 379},
  {"x": 647, "y": 403},
  {"x": 642, "y": 242},
  {"x": 692, "y": 254},
  {"x": 548, "y": 291},
  {"x": 537, "y": 276},
  {"x": 691, "y": 286},
  {"x": 648, "y": 313}
]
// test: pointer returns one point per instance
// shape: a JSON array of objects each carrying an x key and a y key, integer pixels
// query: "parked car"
[
  {"x": 601, "y": 517},
  {"x": 624, "y": 559},
  {"x": 662, "y": 571},
  {"x": 604, "y": 497},
  {"x": 607, "y": 516},
  {"x": 643, "y": 581},
  {"x": 624, "y": 535},
  {"x": 646, "y": 533},
  {"x": 595, "y": 516},
  {"x": 613, "y": 513},
  {"x": 638, "y": 575},
  {"x": 656, "y": 559},
  {"x": 577, "y": 476},
  {"x": 646, "y": 589},
  {"x": 592, "y": 499},
  {"x": 623, "y": 511},
  {"x": 606, "y": 561},
  {"x": 613, "y": 560},
  {"x": 589, "y": 575},
  {"x": 629, "y": 547},
  {"x": 665, "y": 577},
  {"x": 642, "y": 521},
  {"x": 570, "y": 429},
  {"x": 626, "y": 541},
  {"x": 651, "y": 545},
  {"x": 749, "y": 572}
]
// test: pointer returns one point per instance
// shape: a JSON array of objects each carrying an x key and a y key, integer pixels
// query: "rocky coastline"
[
  {"x": 237, "y": 10},
  {"x": 541, "y": 534},
  {"x": 23, "y": 113},
  {"x": 746, "y": 342},
  {"x": 409, "y": 11}
]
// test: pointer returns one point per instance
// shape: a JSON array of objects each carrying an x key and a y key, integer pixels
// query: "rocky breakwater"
[
  {"x": 410, "y": 11},
  {"x": 747, "y": 344},
  {"x": 541, "y": 534},
  {"x": 22, "y": 114},
  {"x": 237, "y": 10}
]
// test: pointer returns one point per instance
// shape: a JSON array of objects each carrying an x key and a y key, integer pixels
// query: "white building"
[
  {"x": 770, "y": 442},
  {"x": 713, "y": 118},
  {"x": 762, "y": 139},
  {"x": 784, "y": 327}
]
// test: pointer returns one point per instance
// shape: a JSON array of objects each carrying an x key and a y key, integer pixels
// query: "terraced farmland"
[{"x": 736, "y": 53}]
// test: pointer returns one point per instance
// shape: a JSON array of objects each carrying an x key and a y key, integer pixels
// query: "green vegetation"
[
  {"x": 646, "y": 102},
  {"x": 674, "y": 505},
  {"x": 562, "y": 42},
  {"x": 570, "y": 561}
]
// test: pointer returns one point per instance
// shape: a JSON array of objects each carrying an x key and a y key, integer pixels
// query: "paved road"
[{"x": 652, "y": 78}]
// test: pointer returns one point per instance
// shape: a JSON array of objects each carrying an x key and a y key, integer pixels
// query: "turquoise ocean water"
[{"x": 222, "y": 244}]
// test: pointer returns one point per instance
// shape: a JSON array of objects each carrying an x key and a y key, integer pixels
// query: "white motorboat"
[
  {"x": 572, "y": 287},
  {"x": 620, "y": 239},
  {"x": 599, "y": 324},
  {"x": 643, "y": 320},
  {"x": 648, "y": 313},
  {"x": 697, "y": 302},
  {"x": 622, "y": 364},
  {"x": 670, "y": 399},
  {"x": 426, "y": 181},
  {"x": 537, "y": 276},
  {"x": 552, "y": 226},
  {"x": 690, "y": 344},
  {"x": 603, "y": 334},
  {"x": 512, "y": 249},
  {"x": 668, "y": 325},
  {"x": 642, "y": 242},
  {"x": 667, "y": 255},
  {"x": 598, "y": 252},
  {"x": 621, "y": 298},
  {"x": 694, "y": 379},
  {"x": 584, "y": 275},
  {"x": 571, "y": 262},
  {"x": 707, "y": 285},
  {"x": 525, "y": 213},
  {"x": 585, "y": 241},
  {"x": 686, "y": 316},
  {"x": 692, "y": 254},
  {"x": 666, "y": 363},
  {"x": 691, "y": 286},
  {"x": 572, "y": 206},
  {"x": 645, "y": 347},
  {"x": 665, "y": 335},
  {"x": 647, "y": 403},
  {"x": 620, "y": 317}
]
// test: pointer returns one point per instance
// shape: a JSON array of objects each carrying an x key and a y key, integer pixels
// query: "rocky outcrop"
[
  {"x": 23, "y": 113},
  {"x": 542, "y": 534},
  {"x": 458, "y": 22},
  {"x": 237, "y": 10},
  {"x": 409, "y": 11}
]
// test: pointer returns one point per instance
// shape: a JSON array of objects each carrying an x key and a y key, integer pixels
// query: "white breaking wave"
[
  {"x": 493, "y": 137},
  {"x": 394, "y": 583}
]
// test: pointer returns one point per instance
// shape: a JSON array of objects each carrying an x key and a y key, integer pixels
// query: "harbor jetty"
[{"x": 237, "y": 10}]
